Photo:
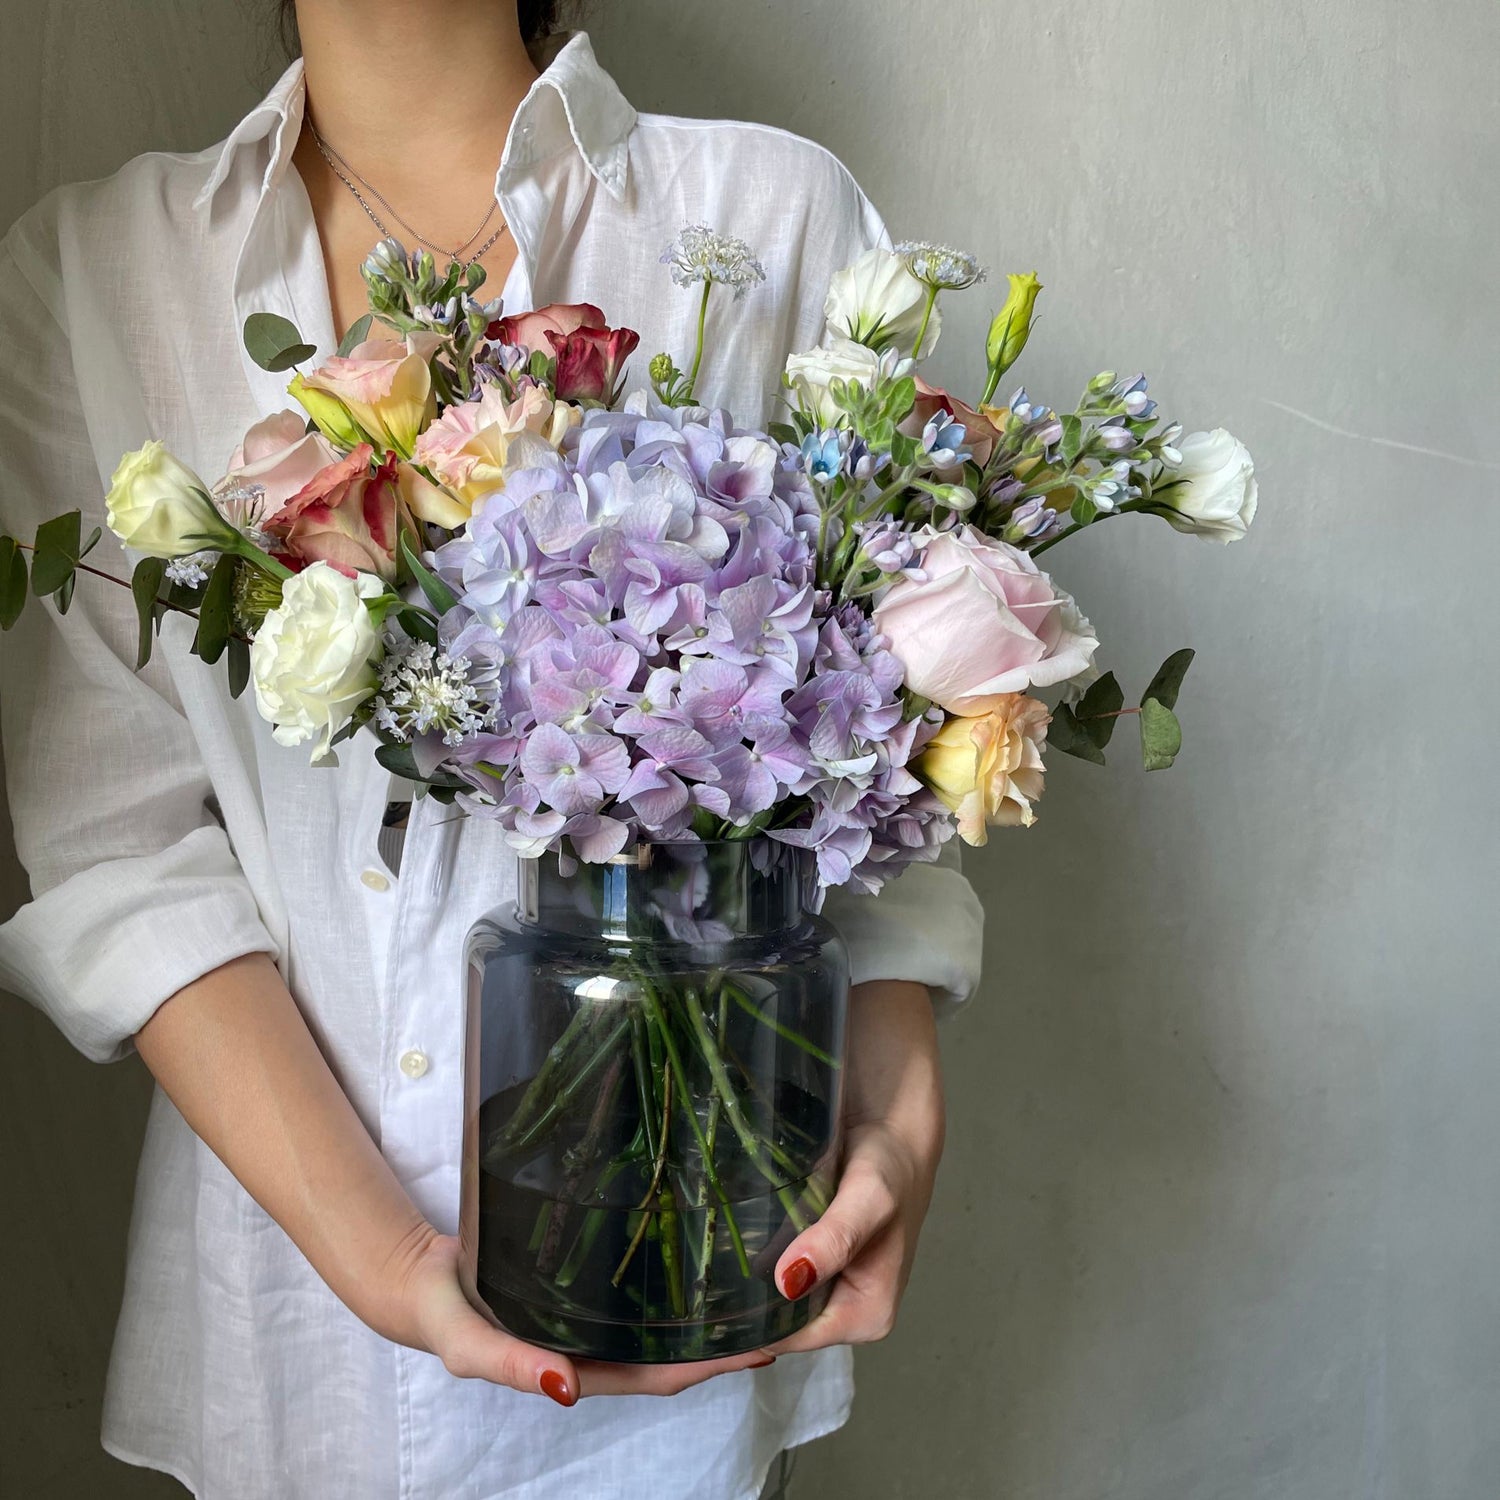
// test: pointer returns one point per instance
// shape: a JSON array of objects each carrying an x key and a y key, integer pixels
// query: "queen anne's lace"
[
  {"x": 701, "y": 254},
  {"x": 940, "y": 266},
  {"x": 424, "y": 691}
]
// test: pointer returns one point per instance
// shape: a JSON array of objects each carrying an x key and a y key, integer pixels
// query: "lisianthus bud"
[
  {"x": 330, "y": 416},
  {"x": 158, "y": 506},
  {"x": 1012, "y": 325}
]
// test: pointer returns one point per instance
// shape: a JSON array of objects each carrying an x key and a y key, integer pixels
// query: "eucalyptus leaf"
[
  {"x": 64, "y": 596},
  {"x": 57, "y": 549},
  {"x": 439, "y": 595},
  {"x": 145, "y": 584},
  {"x": 1161, "y": 735},
  {"x": 274, "y": 343},
  {"x": 92, "y": 542},
  {"x": 401, "y": 760},
  {"x": 1168, "y": 681},
  {"x": 418, "y": 624},
  {"x": 216, "y": 613},
  {"x": 1097, "y": 711},
  {"x": 239, "y": 665},
  {"x": 12, "y": 581},
  {"x": 358, "y": 332},
  {"x": 1065, "y": 733}
]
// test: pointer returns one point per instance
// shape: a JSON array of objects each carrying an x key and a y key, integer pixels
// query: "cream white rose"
[
  {"x": 315, "y": 656},
  {"x": 810, "y": 374},
  {"x": 158, "y": 506},
  {"x": 1214, "y": 494},
  {"x": 877, "y": 301}
]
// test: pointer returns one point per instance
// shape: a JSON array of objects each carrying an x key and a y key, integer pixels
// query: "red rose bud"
[{"x": 590, "y": 362}]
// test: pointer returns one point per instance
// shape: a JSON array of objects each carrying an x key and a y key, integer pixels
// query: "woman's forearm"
[{"x": 233, "y": 1053}]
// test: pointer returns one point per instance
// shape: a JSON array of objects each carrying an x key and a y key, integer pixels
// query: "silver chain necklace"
[{"x": 348, "y": 176}]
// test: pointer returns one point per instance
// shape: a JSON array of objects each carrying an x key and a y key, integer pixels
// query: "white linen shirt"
[{"x": 165, "y": 833}]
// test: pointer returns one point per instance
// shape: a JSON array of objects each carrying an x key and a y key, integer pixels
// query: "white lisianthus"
[
  {"x": 877, "y": 301},
  {"x": 158, "y": 506},
  {"x": 315, "y": 657},
  {"x": 809, "y": 376},
  {"x": 1212, "y": 492}
]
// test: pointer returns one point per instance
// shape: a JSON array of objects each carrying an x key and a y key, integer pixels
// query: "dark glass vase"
[{"x": 654, "y": 1077}]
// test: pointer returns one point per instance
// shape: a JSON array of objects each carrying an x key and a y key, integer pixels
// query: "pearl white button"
[
  {"x": 375, "y": 880},
  {"x": 414, "y": 1063}
]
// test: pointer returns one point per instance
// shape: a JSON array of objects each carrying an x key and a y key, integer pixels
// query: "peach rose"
[
  {"x": 281, "y": 457},
  {"x": 988, "y": 769},
  {"x": 984, "y": 621},
  {"x": 345, "y": 516},
  {"x": 466, "y": 449}
]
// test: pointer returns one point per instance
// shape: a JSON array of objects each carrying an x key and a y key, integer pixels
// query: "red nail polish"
[
  {"x": 760, "y": 1364},
  {"x": 556, "y": 1387},
  {"x": 798, "y": 1279}
]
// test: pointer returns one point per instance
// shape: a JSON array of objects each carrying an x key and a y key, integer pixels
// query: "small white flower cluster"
[
  {"x": 940, "y": 266},
  {"x": 425, "y": 691},
  {"x": 244, "y": 507},
  {"x": 699, "y": 254},
  {"x": 192, "y": 571}
]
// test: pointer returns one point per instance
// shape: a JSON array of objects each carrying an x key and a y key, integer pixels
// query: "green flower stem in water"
[
  {"x": 780, "y": 1028},
  {"x": 659, "y": 1021},
  {"x": 570, "y": 1091},
  {"x": 748, "y": 1139}
]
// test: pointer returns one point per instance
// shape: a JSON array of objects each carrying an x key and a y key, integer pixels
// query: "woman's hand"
[
  {"x": 438, "y": 1317},
  {"x": 893, "y": 1121}
]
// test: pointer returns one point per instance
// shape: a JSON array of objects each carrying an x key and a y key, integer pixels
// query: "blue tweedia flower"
[
  {"x": 943, "y": 441},
  {"x": 823, "y": 456}
]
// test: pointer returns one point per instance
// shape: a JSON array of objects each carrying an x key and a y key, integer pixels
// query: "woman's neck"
[{"x": 409, "y": 89}]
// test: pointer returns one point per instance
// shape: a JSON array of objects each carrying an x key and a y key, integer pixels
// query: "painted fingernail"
[
  {"x": 798, "y": 1278},
  {"x": 556, "y": 1387},
  {"x": 760, "y": 1364}
]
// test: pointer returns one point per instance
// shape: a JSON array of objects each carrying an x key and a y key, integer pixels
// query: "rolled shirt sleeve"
[
  {"x": 926, "y": 925},
  {"x": 135, "y": 889}
]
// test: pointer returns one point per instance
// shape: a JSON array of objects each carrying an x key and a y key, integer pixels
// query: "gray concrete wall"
[{"x": 1221, "y": 1210}]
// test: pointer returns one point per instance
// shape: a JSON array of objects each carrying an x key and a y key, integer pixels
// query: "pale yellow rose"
[
  {"x": 468, "y": 449},
  {"x": 989, "y": 769}
]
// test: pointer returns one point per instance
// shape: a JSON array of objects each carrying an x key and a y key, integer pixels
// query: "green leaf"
[
  {"x": 12, "y": 581},
  {"x": 239, "y": 665},
  {"x": 1097, "y": 711},
  {"x": 274, "y": 343},
  {"x": 145, "y": 584},
  {"x": 1083, "y": 510},
  {"x": 783, "y": 432},
  {"x": 439, "y": 595},
  {"x": 1072, "y": 438},
  {"x": 215, "y": 614},
  {"x": 1161, "y": 735},
  {"x": 1065, "y": 733},
  {"x": 57, "y": 549},
  {"x": 358, "y": 332},
  {"x": 1168, "y": 681},
  {"x": 400, "y": 761},
  {"x": 92, "y": 542},
  {"x": 418, "y": 624},
  {"x": 64, "y": 596}
]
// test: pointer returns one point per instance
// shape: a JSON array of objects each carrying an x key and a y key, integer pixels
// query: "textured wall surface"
[{"x": 1221, "y": 1208}]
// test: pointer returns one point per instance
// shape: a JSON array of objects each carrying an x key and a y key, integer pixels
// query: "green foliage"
[
  {"x": 400, "y": 760},
  {"x": 439, "y": 595},
  {"x": 1098, "y": 710},
  {"x": 1168, "y": 680},
  {"x": 216, "y": 613},
  {"x": 274, "y": 343},
  {"x": 1072, "y": 438},
  {"x": 239, "y": 665},
  {"x": 12, "y": 581},
  {"x": 418, "y": 624},
  {"x": 145, "y": 585},
  {"x": 58, "y": 549},
  {"x": 1067, "y": 734},
  {"x": 1161, "y": 735},
  {"x": 358, "y": 332}
]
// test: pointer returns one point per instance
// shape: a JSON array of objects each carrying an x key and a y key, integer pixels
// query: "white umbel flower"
[
  {"x": 425, "y": 691},
  {"x": 700, "y": 254},
  {"x": 940, "y": 266}
]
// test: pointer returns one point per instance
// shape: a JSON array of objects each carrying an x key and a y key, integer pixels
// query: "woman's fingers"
[
  {"x": 662, "y": 1380},
  {"x": 862, "y": 1307},
  {"x": 865, "y": 1205}
]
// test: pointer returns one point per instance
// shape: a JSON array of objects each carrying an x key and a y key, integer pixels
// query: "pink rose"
[
  {"x": 281, "y": 457},
  {"x": 345, "y": 516},
  {"x": 983, "y": 621},
  {"x": 590, "y": 362},
  {"x": 530, "y": 330},
  {"x": 980, "y": 433}
]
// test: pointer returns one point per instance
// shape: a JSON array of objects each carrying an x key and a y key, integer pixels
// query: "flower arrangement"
[
  {"x": 816, "y": 650},
  {"x": 605, "y": 622}
]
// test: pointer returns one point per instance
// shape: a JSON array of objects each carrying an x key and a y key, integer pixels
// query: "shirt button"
[
  {"x": 375, "y": 880},
  {"x": 414, "y": 1063}
]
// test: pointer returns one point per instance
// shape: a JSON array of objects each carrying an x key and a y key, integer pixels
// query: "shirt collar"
[{"x": 574, "y": 103}]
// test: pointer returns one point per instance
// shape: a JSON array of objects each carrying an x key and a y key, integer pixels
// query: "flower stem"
[
  {"x": 692, "y": 380},
  {"x": 932, "y": 296}
]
